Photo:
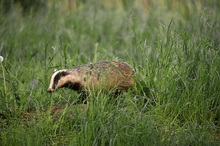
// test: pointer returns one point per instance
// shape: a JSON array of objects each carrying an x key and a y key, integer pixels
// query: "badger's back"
[{"x": 105, "y": 75}]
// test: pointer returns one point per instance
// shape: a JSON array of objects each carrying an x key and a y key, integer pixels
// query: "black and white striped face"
[{"x": 55, "y": 79}]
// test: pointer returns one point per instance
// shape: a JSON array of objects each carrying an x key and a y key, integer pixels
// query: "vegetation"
[{"x": 173, "y": 46}]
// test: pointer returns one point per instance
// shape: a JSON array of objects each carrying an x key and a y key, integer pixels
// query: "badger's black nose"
[{"x": 50, "y": 90}]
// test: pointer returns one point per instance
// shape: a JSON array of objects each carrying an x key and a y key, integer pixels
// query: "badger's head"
[{"x": 55, "y": 80}]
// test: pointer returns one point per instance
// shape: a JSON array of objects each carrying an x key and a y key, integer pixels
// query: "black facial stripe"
[{"x": 56, "y": 79}]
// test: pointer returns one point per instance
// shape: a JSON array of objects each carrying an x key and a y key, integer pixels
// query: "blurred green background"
[{"x": 173, "y": 45}]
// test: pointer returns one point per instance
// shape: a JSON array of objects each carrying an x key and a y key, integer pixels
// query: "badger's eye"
[{"x": 56, "y": 79}]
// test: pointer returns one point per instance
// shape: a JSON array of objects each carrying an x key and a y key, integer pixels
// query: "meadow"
[{"x": 173, "y": 46}]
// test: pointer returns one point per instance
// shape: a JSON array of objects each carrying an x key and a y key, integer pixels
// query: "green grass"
[{"x": 176, "y": 55}]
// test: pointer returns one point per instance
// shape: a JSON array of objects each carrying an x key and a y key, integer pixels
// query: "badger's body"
[{"x": 103, "y": 75}]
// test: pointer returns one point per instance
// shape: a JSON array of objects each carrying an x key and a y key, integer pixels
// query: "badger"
[{"x": 104, "y": 75}]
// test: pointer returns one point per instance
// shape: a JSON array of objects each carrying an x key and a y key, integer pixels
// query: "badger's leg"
[{"x": 83, "y": 97}]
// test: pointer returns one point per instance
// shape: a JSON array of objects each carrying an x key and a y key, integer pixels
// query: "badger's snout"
[{"x": 50, "y": 90}]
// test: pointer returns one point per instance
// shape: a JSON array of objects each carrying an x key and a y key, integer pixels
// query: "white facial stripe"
[{"x": 52, "y": 78}]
